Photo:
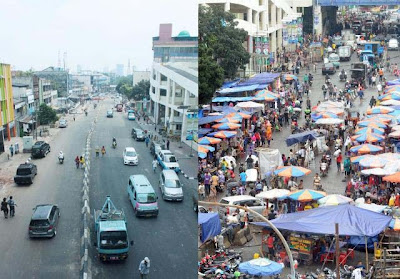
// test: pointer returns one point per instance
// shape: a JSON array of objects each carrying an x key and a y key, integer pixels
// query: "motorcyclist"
[
  {"x": 327, "y": 78},
  {"x": 61, "y": 156},
  {"x": 114, "y": 142},
  {"x": 343, "y": 75},
  {"x": 317, "y": 181},
  {"x": 323, "y": 167}
]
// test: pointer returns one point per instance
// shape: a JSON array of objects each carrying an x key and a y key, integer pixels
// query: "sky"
[{"x": 95, "y": 34}]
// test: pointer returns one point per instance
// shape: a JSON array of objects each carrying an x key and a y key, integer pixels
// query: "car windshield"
[
  {"x": 329, "y": 65},
  {"x": 170, "y": 159},
  {"x": 113, "y": 240},
  {"x": 131, "y": 114},
  {"x": 146, "y": 198},
  {"x": 172, "y": 184},
  {"x": 23, "y": 171},
  {"x": 130, "y": 154}
]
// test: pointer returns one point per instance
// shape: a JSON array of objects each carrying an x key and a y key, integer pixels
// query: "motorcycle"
[
  {"x": 324, "y": 170},
  {"x": 61, "y": 160},
  {"x": 114, "y": 144},
  {"x": 342, "y": 77}
]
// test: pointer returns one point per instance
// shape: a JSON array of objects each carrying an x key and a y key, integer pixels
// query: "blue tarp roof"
[
  {"x": 263, "y": 78},
  {"x": 232, "y": 99},
  {"x": 210, "y": 225},
  {"x": 238, "y": 89},
  {"x": 301, "y": 137},
  {"x": 393, "y": 82},
  {"x": 203, "y": 131},
  {"x": 352, "y": 220},
  {"x": 208, "y": 119},
  {"x": 229, "y": 84},
  {"x": 224, "y": 109}
]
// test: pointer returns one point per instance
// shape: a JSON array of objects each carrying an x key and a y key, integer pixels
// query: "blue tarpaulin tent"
[
  {"x": 301, "y": 137},
  {"x": 231, "y": 99},
  {"x": 238, "y": 89},
  {"x": 352, "y": 220},
  {"x": 210, "y": 225},
  {"x": 209, "y": 119},
  {"x": 393, "y": 82},
  {"x": 263, "y": 78},
  {"x": 230, "y": 83}
]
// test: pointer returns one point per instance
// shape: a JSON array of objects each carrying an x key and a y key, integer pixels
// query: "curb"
[
  {"x": 85, "y": 239},
  {"x": 188, "y": 177}
]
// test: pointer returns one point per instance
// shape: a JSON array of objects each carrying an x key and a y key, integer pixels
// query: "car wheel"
[
  {"x": 162, "y": 195},
  {"x": 54, "y": 233},
  {"x": 44, "y": 154}
]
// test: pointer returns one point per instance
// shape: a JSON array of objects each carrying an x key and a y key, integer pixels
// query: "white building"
[
  {"x": 264, "y": 20},
  {"x": 138, "y": 76},
  {"x": 174, "y": 83}
]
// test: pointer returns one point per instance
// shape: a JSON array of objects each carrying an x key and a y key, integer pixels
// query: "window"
[
  {"x": 153, "y": 89},
  {"x": 191, "y": 95},
  {"x": 163, "y": 78},
  {"x": 53, "y": 211},
  {"x": 163, "y": 92},
  {"x": 176, "y": 113},
  {"x": 178, "y": 127}
]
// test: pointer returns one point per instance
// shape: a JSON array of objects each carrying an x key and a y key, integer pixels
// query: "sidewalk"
[
  {"x": 8, "y": 164},
  {"x": 182, "y": 151}
]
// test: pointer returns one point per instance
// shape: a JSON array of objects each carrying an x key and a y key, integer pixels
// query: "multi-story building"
[
  {"x": 59, "y": 79},
  {"x": 119, "y": 70},
  {"x": 270, "y": 24},
  {"x": 174, "y": 82},
  {"x": 7, "y": 123}
]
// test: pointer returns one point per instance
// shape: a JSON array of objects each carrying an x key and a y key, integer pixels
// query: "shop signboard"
[
  {"x": 257, "y": 45},
  {"x": 303, "y": 245}
]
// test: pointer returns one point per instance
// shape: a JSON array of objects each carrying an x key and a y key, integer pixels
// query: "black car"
[
  {"x": 44, "y": 221},
  {"x": 328, "y": 68},
  {"x": 40, "y": 149},
  {"x": 25, "y": 173},
  {"x": 138, "y": 134}
]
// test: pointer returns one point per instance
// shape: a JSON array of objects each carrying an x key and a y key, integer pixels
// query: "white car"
[
  {"x": 167, "y": 160},
  {"x": 62, "y": 123},
  {"x": 393, "y": 44},
  {"x": 130, "y": 156}
]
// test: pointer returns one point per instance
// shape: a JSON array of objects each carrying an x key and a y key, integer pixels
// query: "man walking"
[
  {"x": 12, "y": 205},
  {"x": 4, "y": 207},
  {"x": 144, "y": 268}
]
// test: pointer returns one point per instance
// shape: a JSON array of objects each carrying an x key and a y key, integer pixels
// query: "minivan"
[
  {"x": 44, "y": 221},
  {"x": 142, "y": 196},
  {"x": 170, "y": 186},
  {"x": 243, "y": 200}
]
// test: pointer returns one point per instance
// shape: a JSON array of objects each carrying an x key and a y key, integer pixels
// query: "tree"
[
  {"x": 220, "y": 47},
  {"x": 46, "y": 115},
  {"x": 141, "y": 90}
]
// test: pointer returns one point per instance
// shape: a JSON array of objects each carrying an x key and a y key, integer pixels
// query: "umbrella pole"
[
  {"x": 337, "y": 250},
  {"x": 366, "y": 253}
]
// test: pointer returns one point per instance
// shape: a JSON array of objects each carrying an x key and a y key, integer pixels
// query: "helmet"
[{"x": 146, "y": 259}]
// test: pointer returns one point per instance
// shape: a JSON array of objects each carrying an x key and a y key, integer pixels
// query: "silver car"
[
  {"x": 62, "y": 123},
  {"x": 170, "y": 186}
]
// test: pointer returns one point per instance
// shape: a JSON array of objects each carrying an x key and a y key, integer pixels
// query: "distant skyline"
[{"x": 95, "y": 34}]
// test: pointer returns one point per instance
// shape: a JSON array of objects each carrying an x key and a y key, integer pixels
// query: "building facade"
[
  {"x": 269, "y": 24},
  {"x": 119, "y": 70},
  {"x": 59, "y": 78},
  {"x": 174, "y": 83},
  {"x": 7, "y": 118}
]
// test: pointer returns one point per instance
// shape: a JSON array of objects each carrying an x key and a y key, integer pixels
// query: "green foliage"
[
  {"x": 141, "y": 90},
  {"x": 46, "y": 115},
  {"x": 220, "y": 48},
  {"x": 123, "y": 81}
]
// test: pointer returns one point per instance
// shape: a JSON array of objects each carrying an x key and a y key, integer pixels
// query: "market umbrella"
[
  {"x": 379, "y": 109},
  {"x": 389, "y": 156},
  {"x": 368, "y": 137},
  {"x": 395, "y": 224},
  {"x": 325, "y": 114},
  {"x": 267, "y": 96},
  {"x": 236, "y": 115},
  {"x": 364, "y": 130},
  {"x": 371, "y": 123},
  {"x": 385, "y": 118},
  {"x": 357, "y": 159},
  {"x": 227, "y": 120},
  {"x": 289, "y": 77},
  {"x": 392, "y": 88},
  {"x": 395, "y": 134},
  {"x": 373, "y": 162},
  {"x": 390, "y": 96},
  {"x": 273, "y": 194},
  {"x": 202, "y": 150},
  {"x": 390, "y": 102},
  {"x": 208, "y": 147},
  {"x": 223, "y": 134},
  {"x": 396, "y": 128},
  {"x": 226, "y": 126},
  {"x": 291, "y": 171},
  {"x": 334, "y": 199},
  {"x": 306, "y": 195},
  {"x": 329, "y": 121},
  {"x": 375, "y": 171},
  {"x": 394, "y": 178},
  {"x": 208, "y": 140},
  {"x": 365, "y": 148},
  {"x": 261, "y": 267}
]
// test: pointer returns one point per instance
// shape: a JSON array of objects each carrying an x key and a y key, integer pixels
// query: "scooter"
[
  {"x": 324, "y": 170},
  {"x": 114, "y": 144},
  {"x": 342, "y": 77},
  {"x": 61, "y": 160}
]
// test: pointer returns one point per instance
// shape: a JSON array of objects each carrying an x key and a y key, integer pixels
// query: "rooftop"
[{"x": 188, "y": 70}]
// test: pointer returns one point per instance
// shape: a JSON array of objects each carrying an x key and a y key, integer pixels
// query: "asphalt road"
[
  {"x": 58, "y": 257},
  {"x": 170, "y": 239}
]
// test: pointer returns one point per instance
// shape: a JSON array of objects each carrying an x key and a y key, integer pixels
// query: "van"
[
  {"x": 251, "y": 202},
  {"x": 142, "y": 196},
  {"x": 170, "y": 186},
  {"x": 44, "y": 221}
]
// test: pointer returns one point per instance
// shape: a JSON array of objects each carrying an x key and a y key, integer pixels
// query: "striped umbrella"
[
  {"x": 394, "y": 178},
  {"x": 240, "y": 115},
  {"x": 364, "y": 130},
  {"x": 226, "y": 126},
  {"x": 223, "y": 134},
  {"x": 368, "y": 137},
  {"x": 385, "y": 118},
  {"x": 292, "y": 171},
  {"x": 357, "y": 159},
  {"x": 306, "y": 195},
  {"x": 208, "y": 140},
  {"x": 390, "y": 103},
  {"x": 289, "y": 77},
  {"x": 379, "y": 109},
  {"x": 334, "y": 199},
  {"x": 228, "y": 120},
  {"x": 395, "y": 224},
  {"x": 371, "y": 123},
  {"x": 267, "y": 96},
  {"x": 392, "y": 88},
  {"x": 325, "y": 114},
  {"x": 390, "y": 96},
  {"x": 373, "y": 162},
  {"x": 365, "y": 148}
]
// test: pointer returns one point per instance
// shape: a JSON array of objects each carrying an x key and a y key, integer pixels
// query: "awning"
[
  {"x": 28, "y": 119},
  {"x": 263, "y": 78},
  {"x": 231, "y": 99},
  {"x": 238, "y": 89}
]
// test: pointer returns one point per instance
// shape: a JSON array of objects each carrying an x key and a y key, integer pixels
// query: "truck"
[
  {"x": 111, "y": 233},
  {"x": 344, "y": 53},
  {"x": 358, "y": 72},
  {"x": 119, "y": 107},
  {"x": 25, "y": 174}
]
